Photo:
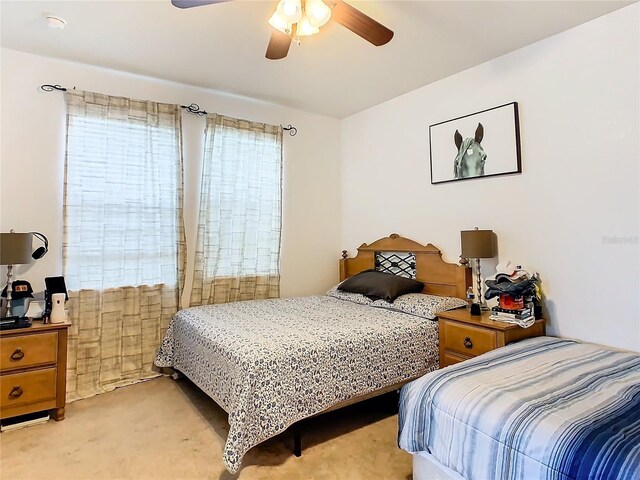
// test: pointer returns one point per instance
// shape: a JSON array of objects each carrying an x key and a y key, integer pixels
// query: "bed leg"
[
  {"x": 396, "y": 405},
  {"x": 297, "y": 441}
]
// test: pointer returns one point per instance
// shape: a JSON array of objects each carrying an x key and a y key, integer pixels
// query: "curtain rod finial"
[
  {"x": 194, "y": 108},
  {"x": 291, "y": 129},
  {"x": 50, "y": 88}
]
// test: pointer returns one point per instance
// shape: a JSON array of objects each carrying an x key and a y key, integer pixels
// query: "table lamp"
[
  {"x": 15, "y": 249},
  {"x": 478, "y": 244}
]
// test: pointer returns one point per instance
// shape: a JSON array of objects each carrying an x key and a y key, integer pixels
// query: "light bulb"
[
  {"x": 305, "y": 28},
  {"x": 317, "y": 12},
  {"x": 277, "y": 22},
  {"x": 290, "y": 10}
]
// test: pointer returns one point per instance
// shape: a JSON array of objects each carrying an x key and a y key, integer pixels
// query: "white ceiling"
[{"x": 334, "y": 73}]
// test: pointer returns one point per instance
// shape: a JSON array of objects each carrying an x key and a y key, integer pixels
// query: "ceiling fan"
[{"x": 293, "y": 19}]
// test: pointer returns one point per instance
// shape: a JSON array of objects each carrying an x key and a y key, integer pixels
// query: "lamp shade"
[
  {"x": 305, "y": 28},
  {"x": 290, "y": 10},
  {"x": 277, "y": 22},
  {"x": 477, "y": 243},
  {"x": 317, "y": 12},
  {"x": 15, "y": 248}
]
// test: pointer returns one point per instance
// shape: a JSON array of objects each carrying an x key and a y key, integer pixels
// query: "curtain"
[
  {"x": 124, "y": 248},
  {"x": 238, "y": 240}
]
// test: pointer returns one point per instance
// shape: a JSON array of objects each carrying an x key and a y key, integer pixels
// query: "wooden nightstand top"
[
  {"x": 463, "y": 316},
  {"x": 36, "y": 327}
]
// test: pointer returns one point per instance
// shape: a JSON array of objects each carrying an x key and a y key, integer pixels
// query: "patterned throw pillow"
[
  {"x": 422, "y": 305},
  {"x": 348, "y": 296}
]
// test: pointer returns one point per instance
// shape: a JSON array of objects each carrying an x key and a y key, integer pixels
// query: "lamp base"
[
  {"x": 6, "y": 302},
  {"x": 481, "y": 302}
]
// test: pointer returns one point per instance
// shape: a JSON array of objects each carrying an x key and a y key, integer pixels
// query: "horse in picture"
[{"x": 470, "y": 159}]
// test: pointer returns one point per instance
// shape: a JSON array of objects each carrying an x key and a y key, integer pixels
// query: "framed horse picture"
[{"x": 478, "y": 145}]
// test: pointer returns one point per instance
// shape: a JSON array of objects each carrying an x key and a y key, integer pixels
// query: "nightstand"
[
  {"x": 33, "y": 370},
  {"x": 464, "y": 336}
]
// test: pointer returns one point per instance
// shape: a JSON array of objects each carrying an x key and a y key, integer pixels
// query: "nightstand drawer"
[
  {"x": 468, "y": 340},
  {"x": 452, "y": 359},
  {"x": 28, "y": 350},
  {"x": 25, "y": 388}
]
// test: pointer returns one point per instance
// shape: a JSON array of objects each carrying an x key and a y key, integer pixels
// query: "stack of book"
[{"x": 522, "y": 316}]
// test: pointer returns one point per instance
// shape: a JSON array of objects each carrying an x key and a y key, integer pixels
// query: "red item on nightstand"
[{"x": 511, "y": 303}]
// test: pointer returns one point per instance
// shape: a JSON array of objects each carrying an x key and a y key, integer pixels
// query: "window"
[
  {"x": 238, "y": 246},
  {"x": 123, "y": 192}
]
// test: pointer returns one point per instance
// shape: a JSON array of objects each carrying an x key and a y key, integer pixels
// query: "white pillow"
[
  {"x": 348, "y": 296},
  {"x": 421, "y": 305}
]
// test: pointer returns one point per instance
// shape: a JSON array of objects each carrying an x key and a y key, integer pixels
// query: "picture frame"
[
  {"x": 478, "y": 145},
  {"x": 54, "y": 285}
]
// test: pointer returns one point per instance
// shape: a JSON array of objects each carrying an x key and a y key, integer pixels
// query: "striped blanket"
[{"x": 541, "y": 408}]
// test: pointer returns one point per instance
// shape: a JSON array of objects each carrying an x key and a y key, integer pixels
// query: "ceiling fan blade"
[
  {"x": 361, "y": 24},
  {"x": 278, "y": 47},
  {"x": 194, "y": 3}
]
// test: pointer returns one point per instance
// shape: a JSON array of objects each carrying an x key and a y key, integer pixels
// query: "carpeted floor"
[{"x": 163, "y": 429}]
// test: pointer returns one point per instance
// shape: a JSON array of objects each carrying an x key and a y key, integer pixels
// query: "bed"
[
  {"x": 271, "y": 363},
  {"x": 541, "y": 408}
]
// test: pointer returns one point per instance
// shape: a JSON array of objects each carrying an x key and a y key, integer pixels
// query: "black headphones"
[{"x": 40, "y": 251}]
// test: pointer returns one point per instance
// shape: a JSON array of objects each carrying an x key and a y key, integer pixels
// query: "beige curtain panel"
[
  {"x": 238, "y": 242},
  {"x": 124, "y": 248}
]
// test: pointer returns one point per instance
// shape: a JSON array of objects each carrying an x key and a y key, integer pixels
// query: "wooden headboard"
[{"x": 438, "y": 276}]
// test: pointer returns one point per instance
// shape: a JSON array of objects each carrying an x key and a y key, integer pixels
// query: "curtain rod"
[{"x": 194, "y": 108}]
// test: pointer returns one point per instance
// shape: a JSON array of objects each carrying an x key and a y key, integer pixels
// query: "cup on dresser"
[{"x": 58, "y": 313}]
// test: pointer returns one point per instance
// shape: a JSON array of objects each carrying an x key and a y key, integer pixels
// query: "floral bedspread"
[{"x": 270, "y": 363}]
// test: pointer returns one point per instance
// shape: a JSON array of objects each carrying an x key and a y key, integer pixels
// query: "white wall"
[
  {"x": 573, "y": 214},
  {"x": 31, "y": 168}
]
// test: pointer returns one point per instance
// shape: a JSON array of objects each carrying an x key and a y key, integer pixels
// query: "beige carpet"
[{"x": 162, "y": 429}]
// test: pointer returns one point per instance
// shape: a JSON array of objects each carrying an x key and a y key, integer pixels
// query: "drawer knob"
[
  {"x": 467, "y": 342},
  {"x": 16, "y": 392},
  {"x": 17, "y": 355}
]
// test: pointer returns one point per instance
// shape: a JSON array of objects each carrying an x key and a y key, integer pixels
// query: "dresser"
[
  {"x": 33, "y": 365},
  {"x": 464, "y": 336}
]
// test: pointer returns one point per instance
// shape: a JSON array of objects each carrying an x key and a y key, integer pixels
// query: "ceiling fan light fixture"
[
  {"x": 317, "y": 12},
  {"x": 305, "y": 28},
  {"x": 290, "y": 10},
  {"x": 277, "y": 22}
]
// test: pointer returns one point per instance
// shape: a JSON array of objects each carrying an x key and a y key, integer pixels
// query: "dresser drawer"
[
  {"x": 26, "y": 388},
  {"x": 23, "y": 351},
  {"x": 468, "y": 340}
]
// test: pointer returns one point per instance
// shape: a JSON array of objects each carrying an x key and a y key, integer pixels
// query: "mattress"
[
  {"x": 270, "y": 363},
  {"x": 425, "y": 467},
  {"x": 541, "y": 408}
]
